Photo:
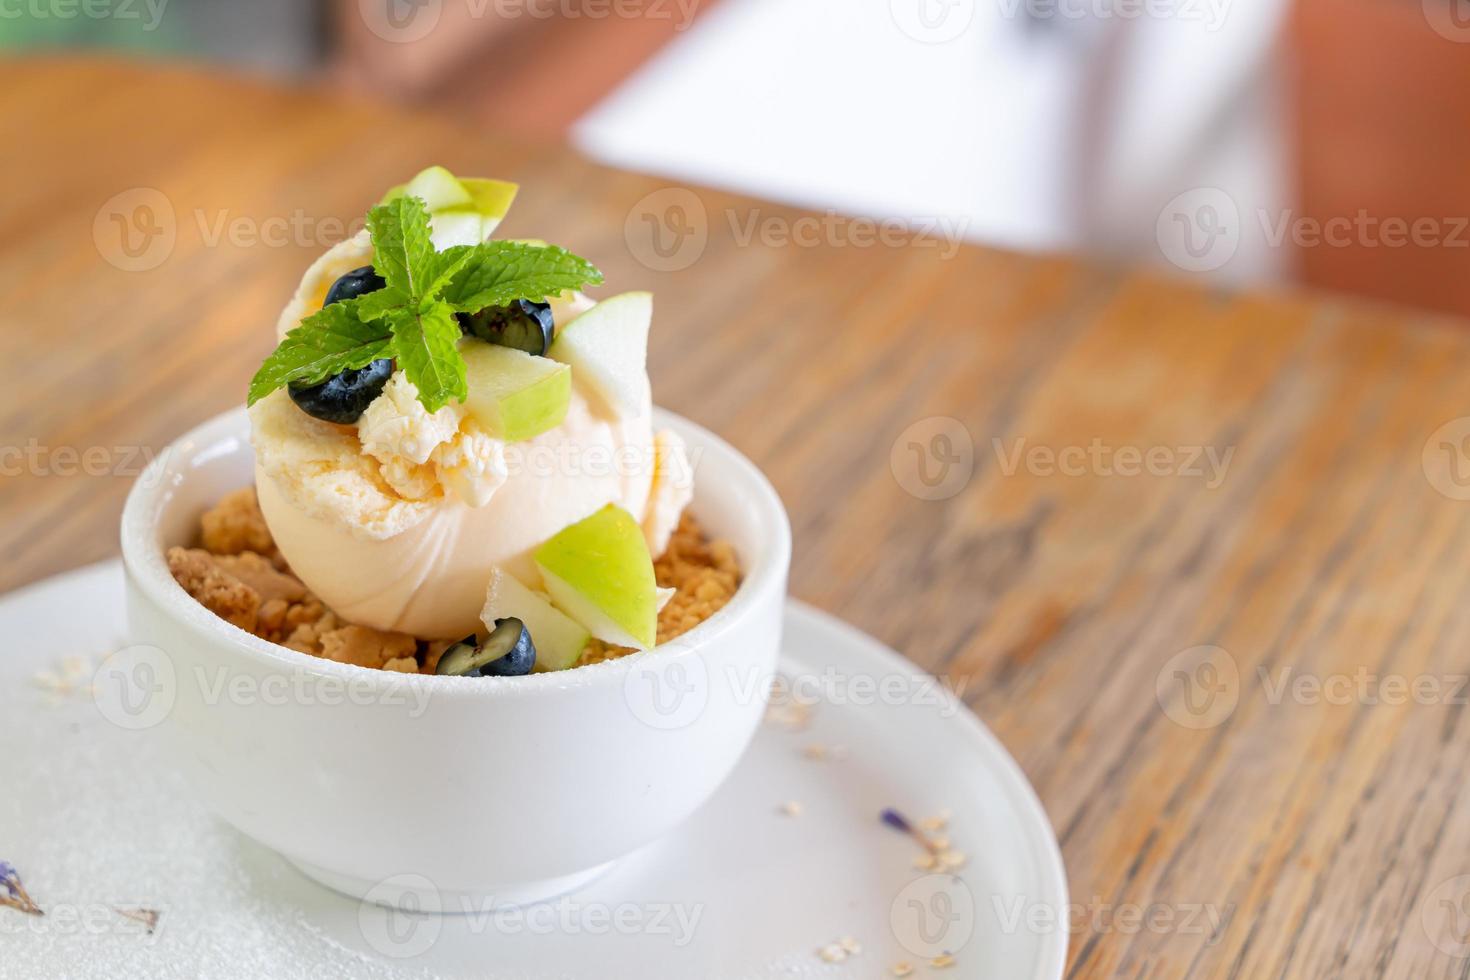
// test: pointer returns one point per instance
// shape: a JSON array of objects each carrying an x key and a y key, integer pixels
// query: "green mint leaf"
[
  {"x": 426, "y": 342},
  {"x": 403, "y": 252},
  {"x": 445, "y": 266},
  {"x": 330, "y": 341},
  {"x": 377, "y": 305},
  {"x": 499, "y": 272}
]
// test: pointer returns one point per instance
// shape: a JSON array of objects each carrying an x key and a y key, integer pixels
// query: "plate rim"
[{"x": 1020, "y": 795}]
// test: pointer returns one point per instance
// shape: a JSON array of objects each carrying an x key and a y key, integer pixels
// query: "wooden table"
[{"x": 1080, "y": 549}]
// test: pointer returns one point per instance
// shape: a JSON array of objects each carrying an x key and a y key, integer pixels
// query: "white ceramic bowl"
[{"x": 445, "y": 793}]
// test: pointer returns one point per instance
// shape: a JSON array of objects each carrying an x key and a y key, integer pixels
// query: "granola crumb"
[
  {"x": 832, "y": 953},
  {"x": 73, "y": 677},
  {"x": 433, "y": 652},
  {"x": 403, "y": 665},
  {"x": 904, "y": 969},
  {"x": 942, "y": 961},
  {"x": 261, "y": 575},
  {"x": 839, "y": 951},
  {"x": 367, "y": 647},
  {"x": 223, "y": 594},
  {"x": 272, "y": 617},
  {"x": 791, "y": 808},
  {"x": 785, "y": 710},
  {"x": 704, "y": 575},
  {"x": 235, "y": 525}
]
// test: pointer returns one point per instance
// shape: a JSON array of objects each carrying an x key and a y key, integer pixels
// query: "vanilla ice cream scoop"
[
  {"x": 420, "y": 566},
  {"x": 398, "y": 521}
]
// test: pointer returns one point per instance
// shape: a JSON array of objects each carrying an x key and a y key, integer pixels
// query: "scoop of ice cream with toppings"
[{"x": 451, "y": 434}]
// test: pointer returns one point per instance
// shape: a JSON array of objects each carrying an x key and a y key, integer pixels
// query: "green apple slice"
[
  {"x": 559, "y": 639},
  {"x": 514, "y": 395},
  {"x": 599, "y": 572},
  {"x": 439, "y": 189},
  {"x": 462, "y": 210},
  {"x": 607, "y": 347},
  {"x": 492, "y": 200},
  {"x": 473, "y": 223},
  {"x": 450, "y": 228}
]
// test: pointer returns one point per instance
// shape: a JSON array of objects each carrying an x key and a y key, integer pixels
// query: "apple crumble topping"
[
  {"x": 236, "y": 525},
  {"x": 239, "y": 575}
]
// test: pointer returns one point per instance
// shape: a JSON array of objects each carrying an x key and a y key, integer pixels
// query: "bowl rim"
[{"x": 147, "y": 569}]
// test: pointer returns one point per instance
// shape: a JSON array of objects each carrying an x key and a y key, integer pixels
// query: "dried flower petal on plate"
[
  {"x": 897, "y": 821},
  {"x": 14, "y": 892},
  {"x": 903, "y": 825},
  {"x": 148, "y": 917}
]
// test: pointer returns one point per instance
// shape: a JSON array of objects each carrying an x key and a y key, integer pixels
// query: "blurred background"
[{"x": 1321, "y": 143}]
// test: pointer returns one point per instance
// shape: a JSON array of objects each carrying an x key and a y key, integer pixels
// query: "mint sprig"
[{"x": 412, "y": 318}]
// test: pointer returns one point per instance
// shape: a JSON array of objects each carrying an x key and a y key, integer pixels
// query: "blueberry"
[
  {"x": 344, "y": 397},
  {"x": 522, "y": 325},
  {"x": 354, "y": 284},
  {"x": 508, "y": 652}
]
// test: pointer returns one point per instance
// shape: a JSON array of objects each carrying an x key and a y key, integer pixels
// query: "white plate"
[{"x": 93, "y": 822}]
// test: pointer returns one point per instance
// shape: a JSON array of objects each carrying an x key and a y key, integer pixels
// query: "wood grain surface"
[{"x": 1125, "y": 468}]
